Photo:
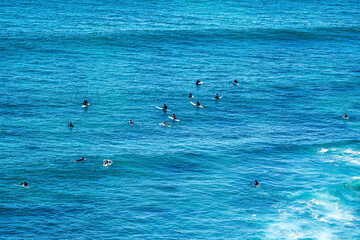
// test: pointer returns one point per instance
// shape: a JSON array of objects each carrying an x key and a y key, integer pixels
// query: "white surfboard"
[
  {"x": 178, "y": 120},
  {"x": 84, "y": 106},
  {"x": 196, "y": 104},
  {"x": 200, "y": 83},
  {"x": 162, "y": 109},
  {"x": 191, "y": 96},
  {"x": 108, "y": 163},
  {"x": 165, "y": 125}
]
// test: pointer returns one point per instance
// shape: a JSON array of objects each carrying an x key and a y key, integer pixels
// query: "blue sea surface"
[{"x": 298, "y": 67}]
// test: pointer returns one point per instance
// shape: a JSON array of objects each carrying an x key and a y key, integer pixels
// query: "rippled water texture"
[{"x": 298, "y": 68}]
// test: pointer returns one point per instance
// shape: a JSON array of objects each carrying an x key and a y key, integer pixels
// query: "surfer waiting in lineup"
[
  {"x": 197, "y": 103},
  {"x": 173, "y": 115},
  {"x": 217, "y": 96},
  {"x": 71, "y": 125},
  {"x": 345, "y": 116},
  {"x": 198, "y": 82},
  {"x": 131, "y": 122},
  {"x": 24, "y": 184},
  {"x": 85, "y": 102},
  {"x": 165, "y": 107},
  {"x": 164, "y": 123},
  {"x": 190, "y": 95},
  {"x": 235, "y": 82},
  {"x": 256, "y": 183},
  {"x": 80, "y": 160}
]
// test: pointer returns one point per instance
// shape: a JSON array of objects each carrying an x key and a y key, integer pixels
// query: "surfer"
[
  {"x": 80, "y": 160},
  {"x": 198, "y": 82},
  {"x": 173, "y": 116},
  {"x": 85, "y": 103},
  {"x": 71, "y": 125},
  {"x": 107, "y": 162},
  {"x": 164, "y": 124},
  {"x": 345, "y": 116},
  {"x": 217, "y": 96},
  {"x": 131, "y": 122},
  {"x": 198, "y": 104},
  {"x": 256, "y": 183},
  {"x": 24, "y": 184},
  {"x": 235, "y": 82},
  {"x": 190, "y": 95},
  {"x": 165, "y": 107}
]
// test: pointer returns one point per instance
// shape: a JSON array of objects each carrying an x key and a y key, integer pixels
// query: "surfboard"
[
  {"x": 162, "y": 109},
  {"x": 79, "y": 160},
  {"x": 345, "y": 117},
  {"x": 191, "y": 96},
  {"x": 196, "y": 104},
  {"x": 162, "y": 124},
  {"x": 178, "y": 120},
  {"x": 108, "y": 163},
  {"x": 84, "y": 106},
  {"x": 218, "y": 98},
  {"x": 200, "y": 83}
]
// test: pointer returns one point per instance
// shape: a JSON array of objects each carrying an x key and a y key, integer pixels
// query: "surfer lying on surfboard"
[
  {"x": 164, "y": 124},
  {"x": 79, "y": 160},
  {"x": 107, "y": 162},
  {"x": 345, "y": 116},
  {"x": 131, "y": 122},
  {"x": 235, "y": 82}
]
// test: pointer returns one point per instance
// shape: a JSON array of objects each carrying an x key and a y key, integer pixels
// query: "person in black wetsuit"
[
  {"x": 198, "y": 82},
  {"x": 131, "y": 122},
  {"x": 173, "y": 115},
  {"x": 71, "y": 125},
  {"x": 256, "y": 183},
  {"x": 217, "y": 96},
  {"x": 24, "y": 184},
  {"x": 165, "y": 107},
  {"x": 197, "y": 103},
  {"x": 235, "y": 82},
  {"x": 345, "y": 116},
  {"x": 85, "y": 102},
  {"x": 190, "y": 95}
]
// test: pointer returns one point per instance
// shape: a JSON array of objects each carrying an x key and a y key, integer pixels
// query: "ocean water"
[{"x": 298, "y": 67}]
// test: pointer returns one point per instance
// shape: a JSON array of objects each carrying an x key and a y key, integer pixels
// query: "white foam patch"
[
  {"x": 311, "y": 218},
  {"x": 352, "y": 152},
  {"x": 323, "y": 150},
  {"x": 336, "y": 155}
]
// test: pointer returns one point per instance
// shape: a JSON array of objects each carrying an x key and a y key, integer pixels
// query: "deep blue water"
[{"x": 298, "y": 68}]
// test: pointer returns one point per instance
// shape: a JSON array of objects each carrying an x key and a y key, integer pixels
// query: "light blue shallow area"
[{"x": 298, "y": 68}]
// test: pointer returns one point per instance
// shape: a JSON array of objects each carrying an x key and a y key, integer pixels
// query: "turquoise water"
[{"x": 298, "y": 68}]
